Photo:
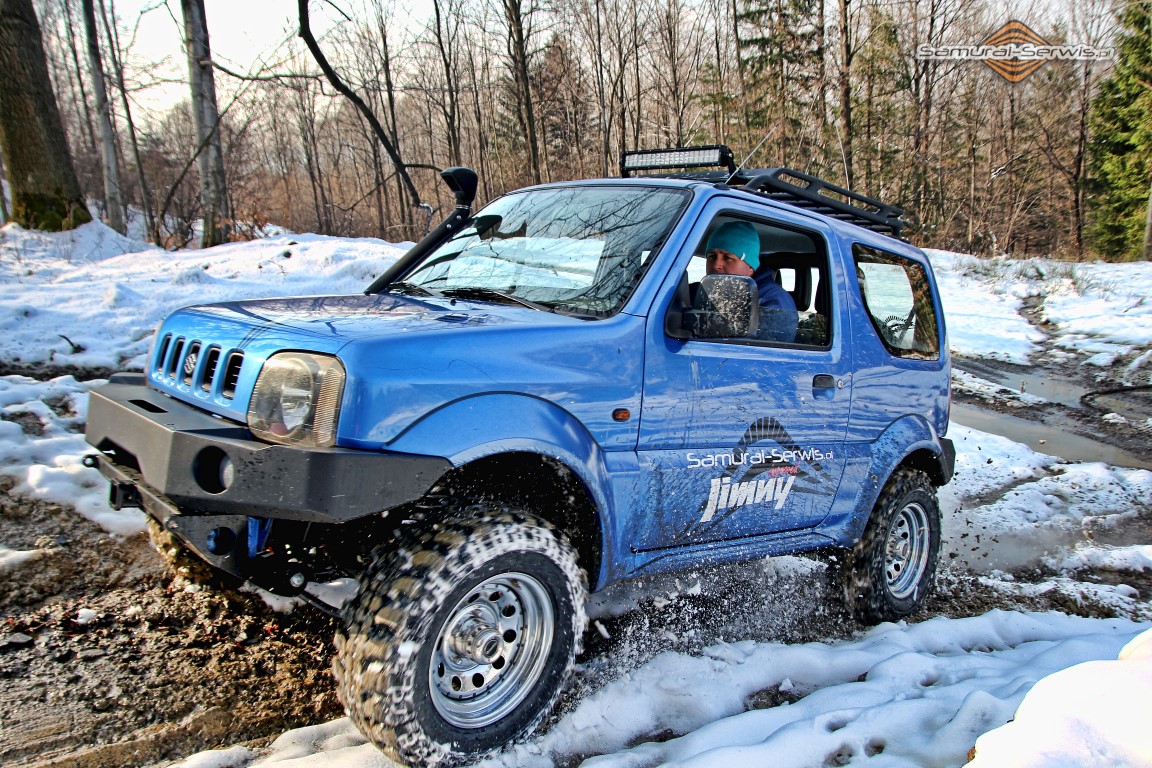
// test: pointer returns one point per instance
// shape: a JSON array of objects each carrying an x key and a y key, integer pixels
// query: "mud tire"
[
  {"x": 182, "y": 561},
  {"x": 892, "y": 569},
  {"x": 408, "y": 622}
]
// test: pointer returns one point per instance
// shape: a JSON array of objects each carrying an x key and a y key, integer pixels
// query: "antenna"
[{"x": 751, "y": 154}]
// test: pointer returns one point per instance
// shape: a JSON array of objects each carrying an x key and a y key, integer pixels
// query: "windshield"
[{"x": 577, "y": 250}]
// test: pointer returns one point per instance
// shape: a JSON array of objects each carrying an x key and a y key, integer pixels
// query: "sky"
[
  {"x": 241, "y": 32},
  {"x": 905, "y": 695}
]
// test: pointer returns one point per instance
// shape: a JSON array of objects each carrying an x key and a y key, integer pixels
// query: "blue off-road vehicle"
[{"x": 549, "y": 396}]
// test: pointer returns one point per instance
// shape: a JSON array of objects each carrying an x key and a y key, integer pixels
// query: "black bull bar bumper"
[{"x": 196, "y": 473}]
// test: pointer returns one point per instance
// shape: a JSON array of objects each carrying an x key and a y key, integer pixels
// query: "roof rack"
[
  {"x": 814, "y": 194},
  {"x": 786, "y": 185}
]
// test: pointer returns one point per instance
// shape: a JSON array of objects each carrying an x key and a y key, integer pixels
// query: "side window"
[
  {"x": 898, "y": 298},
  {"x": 790, "y": 268}
]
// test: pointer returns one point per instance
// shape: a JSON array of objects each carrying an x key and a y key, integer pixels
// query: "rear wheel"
[
  {"x": 460, "y": 642},
  {"x": 891, "y": 570}
]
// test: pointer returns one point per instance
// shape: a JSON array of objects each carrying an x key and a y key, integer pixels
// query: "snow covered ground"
[{"x": 896, "y": 695}]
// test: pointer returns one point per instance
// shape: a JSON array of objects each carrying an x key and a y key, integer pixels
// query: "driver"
[{"x": 734, "y": 249}]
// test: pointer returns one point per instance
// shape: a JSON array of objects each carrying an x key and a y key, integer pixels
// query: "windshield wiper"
[
  {"x": 491, "y": 294},
  {"x": 409, "y": 289}
]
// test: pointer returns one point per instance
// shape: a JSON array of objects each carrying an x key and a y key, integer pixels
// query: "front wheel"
[
  {"x": 891, "y": 570},
  {"x": 460, "y": 642}
]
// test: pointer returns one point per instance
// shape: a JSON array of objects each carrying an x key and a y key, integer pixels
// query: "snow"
[
  {"x": 107, "y": 293},
  {"x": 896, "y": 695},
  {"x": 1100, "y": 309},
  {"x": 982, "y": 309},
  {"x": 1102, "y": 709},
  {"x": 12, "y": 558},
  {"x": 903, "y": 696},
  {"x": 1135, "y": 558}
]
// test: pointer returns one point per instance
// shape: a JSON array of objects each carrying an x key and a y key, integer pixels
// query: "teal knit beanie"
[{"x": 738, "y": 238}]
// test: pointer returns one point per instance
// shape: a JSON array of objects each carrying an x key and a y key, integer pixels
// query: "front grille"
[
  {"x": 231, "y": 374},
  {"x": 208, "y": 372},
  {"x": 195, "y": 364},
  {"x": 190, "y": 363},
  {"x": 177, "y": 354}
]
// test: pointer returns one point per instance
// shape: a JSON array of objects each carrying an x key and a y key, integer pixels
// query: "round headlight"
[{"x": 296, "y": 400}]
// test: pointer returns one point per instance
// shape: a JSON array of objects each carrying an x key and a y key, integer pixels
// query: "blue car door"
[{"x": 745, "y": 437}]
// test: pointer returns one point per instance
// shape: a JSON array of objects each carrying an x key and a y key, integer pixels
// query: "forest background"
[{"x": 1058, "y": 164}]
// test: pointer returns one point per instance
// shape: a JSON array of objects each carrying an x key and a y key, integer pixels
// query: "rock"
[{"x": 15, "y": 640}]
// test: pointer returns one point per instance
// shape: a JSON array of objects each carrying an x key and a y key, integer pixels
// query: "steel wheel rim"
[
  {"x": 906, "y": 551},
  {"x": 491, "y": 651}
]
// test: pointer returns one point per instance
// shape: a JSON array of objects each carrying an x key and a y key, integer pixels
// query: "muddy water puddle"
[
  {"x": 1057, "y": 427},
  {"x": 1047, "y": 438}
]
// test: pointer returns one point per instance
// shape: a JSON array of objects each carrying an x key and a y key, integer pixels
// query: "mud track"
[{"x": 109, "y": 659}]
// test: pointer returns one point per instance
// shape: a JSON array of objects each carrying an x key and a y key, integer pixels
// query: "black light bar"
[{"x": 714, "y": 156}]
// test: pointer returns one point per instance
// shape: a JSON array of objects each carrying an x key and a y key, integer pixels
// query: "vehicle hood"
[
  {"x": 254, "y": 330},
  {"x": 333, "y": 321}
]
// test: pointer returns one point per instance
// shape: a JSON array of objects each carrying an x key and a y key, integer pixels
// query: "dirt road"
[{"x": 108, "y": 659}]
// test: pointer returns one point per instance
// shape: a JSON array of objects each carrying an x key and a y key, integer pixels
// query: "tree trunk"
[
  {"x": 146, "y": 203},
  {"x": 113, "y": 199},
  {"x": 1147, "y": 252},
  {"x": 846, "y": 56},
  {"x": 3, "y": 196},
  {"x": 88, "y": 129},
  {"x": 393, "y": 124},
  {"x": 206, "y": 115},
  {"x": 514, "y": 15},
  {"x": 446, "y": 31},
  {"x": 45, "y": 192}
]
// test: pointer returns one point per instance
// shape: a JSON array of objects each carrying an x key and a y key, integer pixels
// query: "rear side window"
[{"x": 898, "y": 298}]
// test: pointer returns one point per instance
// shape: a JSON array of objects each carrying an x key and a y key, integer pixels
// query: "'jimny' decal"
[{"x": 726, "y": 494}]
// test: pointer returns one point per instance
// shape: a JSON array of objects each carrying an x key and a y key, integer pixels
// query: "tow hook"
[{"x": 121, "y": 495}]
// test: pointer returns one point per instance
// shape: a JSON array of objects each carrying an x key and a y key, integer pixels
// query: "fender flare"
[
  {"x": 910, "y": 440},
  {"x": 479, "y": 426}
]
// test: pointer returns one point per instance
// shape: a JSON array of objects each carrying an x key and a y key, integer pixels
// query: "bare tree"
[
  {"x": 518, "y": 18},
  {"x": 116, "y": 56},
  {"x": 45, "y": 192},
  {"x": 206, "y": 116},
  {"x": 387, "y": 66},
  {"x": 110, "y": 157},
  {"x": 78, "y": 75},
  {"x": 445, "y": 31},
  {"x": 679, "y": 55},
  {"x": 348, "y": 93},
  {"x": 847, "y": 57}
]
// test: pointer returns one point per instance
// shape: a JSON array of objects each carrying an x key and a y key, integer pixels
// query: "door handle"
[{"x": 823, "y": 381}]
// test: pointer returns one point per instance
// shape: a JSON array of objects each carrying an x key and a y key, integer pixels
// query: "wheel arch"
[
  {"x": 524, "y": 451},
  {"x": 909, "y": 443},
  {"x": 546, "y": 486},
  {"x": 928, "y": 461}
]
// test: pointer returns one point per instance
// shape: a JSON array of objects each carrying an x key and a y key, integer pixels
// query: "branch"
[
  {"x": 348, "y": 93},
  {"x": 264, "y": 78}
]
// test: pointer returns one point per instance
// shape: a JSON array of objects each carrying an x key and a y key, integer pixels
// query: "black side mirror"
[{"x": 724, "y": 307}]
